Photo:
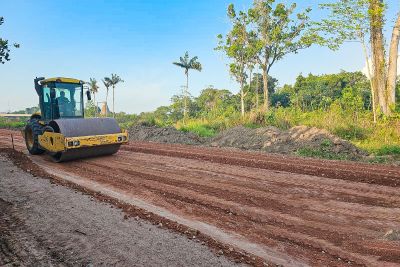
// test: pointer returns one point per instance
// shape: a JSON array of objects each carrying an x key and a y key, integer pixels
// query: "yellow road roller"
[{"x": 61, "y": 129}]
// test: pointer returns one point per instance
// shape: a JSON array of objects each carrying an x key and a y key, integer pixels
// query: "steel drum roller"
[{"x": 85, "y": 127}]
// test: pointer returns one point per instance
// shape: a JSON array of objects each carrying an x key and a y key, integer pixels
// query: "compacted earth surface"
[
  {"x": 44, "y": 224},
  {"x": 256, "y": 208}
]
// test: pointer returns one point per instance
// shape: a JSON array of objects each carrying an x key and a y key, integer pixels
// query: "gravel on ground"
[{"x": 45, "y": 224}]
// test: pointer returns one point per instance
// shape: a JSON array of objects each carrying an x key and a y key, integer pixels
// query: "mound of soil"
[
  {"x": 171, "y": 135},
  {"x": 269, "y": 139},
  {"x": 274, "y": 140}
]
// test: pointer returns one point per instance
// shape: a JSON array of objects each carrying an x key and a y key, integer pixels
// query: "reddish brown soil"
[{"x": 313, "y": 211}]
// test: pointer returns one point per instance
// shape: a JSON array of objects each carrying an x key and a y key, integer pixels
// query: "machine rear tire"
[{"x": 32, "y": 130}]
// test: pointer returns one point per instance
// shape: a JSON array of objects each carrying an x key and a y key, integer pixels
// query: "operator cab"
[{"x": 60, "y": 98}]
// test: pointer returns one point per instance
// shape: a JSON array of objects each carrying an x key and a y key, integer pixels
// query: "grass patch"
[
  {"x": 200, "y": 130},
  {"x": 350, "y": 132},
  {"x": 197, "y": 127},
  {"x": 323, "y": 151},
  {"x": 388, "y": 150},
  {"x": 10, "y": 124},
  {"x": 379, "y": 160}
]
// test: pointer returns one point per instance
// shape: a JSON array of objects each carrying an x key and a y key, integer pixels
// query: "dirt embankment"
[
  {"x": 163, "y": 135},
  {"x": 269, "y": 139},
  {"x": 273, "y": 140}
]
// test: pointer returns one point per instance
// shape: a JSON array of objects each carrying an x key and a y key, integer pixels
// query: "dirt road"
[
  {"x": 282, "y": 210},
  {"x": 43, "y": 224}
]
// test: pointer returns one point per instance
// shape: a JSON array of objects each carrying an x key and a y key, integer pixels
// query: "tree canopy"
[{"x": 5, "y": 47}]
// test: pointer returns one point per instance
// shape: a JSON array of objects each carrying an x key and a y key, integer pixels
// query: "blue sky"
[{"x": 138, "y": 40}]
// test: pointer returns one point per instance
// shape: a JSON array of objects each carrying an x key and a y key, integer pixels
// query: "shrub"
[
  {"x": 388, "y": 150},
  {"x": 351, "y": 132},
  {"x": 197, "y": 127},
  {"x": 321, "y": 152}
]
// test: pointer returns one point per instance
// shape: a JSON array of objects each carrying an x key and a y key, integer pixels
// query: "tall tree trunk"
[
  {"x": 373, "y": 91},
  {"x": 392, "y": 66},
  {"x": 257, "y": 96},
  {"x": 265, "y": 82},
  {"x": 251, "y": 72},
  {"x": 378, "y": 53},
  {"x": 107, "y": 103},
  {"x": 95, "y": 104},
  {"x": 241, "y": 97},
  {"x": 185, "y": 97},
  {"x": 113, "y": 102}
]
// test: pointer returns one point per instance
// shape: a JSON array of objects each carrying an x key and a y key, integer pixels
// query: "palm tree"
[
  {"x": 94, "y": 88},
  {"x": 115, "y": 79},
  {"x": 107, "y": 83},
  {"x": 187, "y": 64}
]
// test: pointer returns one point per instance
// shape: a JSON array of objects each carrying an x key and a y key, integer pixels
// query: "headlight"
[
  {"x": 119, "y": 138},
  {"x": 77, "y": 143}
]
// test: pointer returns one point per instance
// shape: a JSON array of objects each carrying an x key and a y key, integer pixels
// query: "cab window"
[{"x": 63, "y": 99}]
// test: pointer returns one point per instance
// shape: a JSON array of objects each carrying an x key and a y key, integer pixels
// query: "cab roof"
[{"x": 61, "y": 80}]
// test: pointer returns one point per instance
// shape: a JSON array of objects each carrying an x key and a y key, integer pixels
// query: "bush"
[
  {"x": 388, "y": 150},
  {"x": 322, "y": 152},
  {"x": 203, "y": 130},
  {"x": 351, "y": 132}
]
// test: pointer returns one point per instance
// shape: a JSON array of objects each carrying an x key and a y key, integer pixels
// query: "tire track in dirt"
[
  {"x": 173, "y": 195},
  {"x": 385, "y": 169},
  {"x": 369, "y": 173}
]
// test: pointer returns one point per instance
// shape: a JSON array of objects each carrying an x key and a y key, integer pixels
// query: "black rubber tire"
[{"x": 32, "y": 130}]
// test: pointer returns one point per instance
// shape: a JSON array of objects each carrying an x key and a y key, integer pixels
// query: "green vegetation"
[
  {"x": 322, "y": 152},
  {"x": 113, "y": 81},
  {"x": 94, "y": 88},
  {"x": 5, "y": 47},
  {"x": 11, "y": 124},
  {"x": 197, "y": 127},
  {"x": 260, "y": 37},
  {"x": 339, "y": 103},
  {"x": 388, "y": 150},
  {"x": 187, "y": 64}
]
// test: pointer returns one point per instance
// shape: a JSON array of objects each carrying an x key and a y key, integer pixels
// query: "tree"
[
  {"x": 385, "y": 74},
  {"x": 318, "y": 92},
  {"x": 278, "y": 34},
  {"x": 188, "y": 64},
  {"x": 355, "y": 20},
  {"x": 107, "y": 83},
  {"x": 236, "y": 45},
  {"x": 214, "y": 102},
  {"x": 91, "y": 109},
  {"x": 348, "y": 21},
  {"x": 4, "y": 47},
  {"x": 255, "y": 90},
  {"x": 392, "y": 64},
  {"x": 94, "y": 88},
  {"x": 113, "y": 81}
]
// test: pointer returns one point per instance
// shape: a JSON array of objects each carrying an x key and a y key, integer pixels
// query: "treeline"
[
  {"x": 269, "y": 31},
  {"x": 349, "y": 91}
]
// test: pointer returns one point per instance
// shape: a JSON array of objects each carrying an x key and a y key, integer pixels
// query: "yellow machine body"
[{"x": 56, "y": 142}]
